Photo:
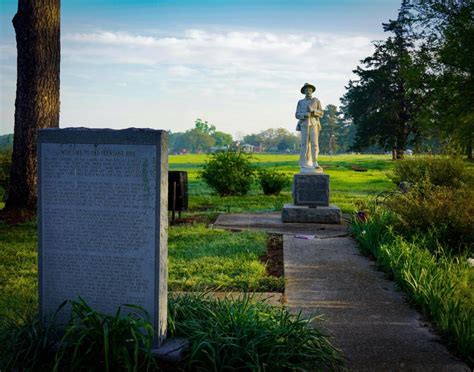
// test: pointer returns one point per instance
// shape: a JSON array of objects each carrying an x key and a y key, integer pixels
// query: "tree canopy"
[{"x": 417, "y": 87}]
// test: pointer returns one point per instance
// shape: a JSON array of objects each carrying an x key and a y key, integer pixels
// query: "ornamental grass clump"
[
  {"x": 228, "y": 173},
  {"x": 245, "y": 334},
  {"x": 96, "y": 341},
  {"x": 90, "y": 341}
]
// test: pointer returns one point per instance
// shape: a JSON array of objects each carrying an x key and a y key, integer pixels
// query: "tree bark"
[{"x": 37, "y": 28}]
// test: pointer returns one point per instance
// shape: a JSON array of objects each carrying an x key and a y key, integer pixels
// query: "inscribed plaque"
[
  {"x": 102, "y": 207},
  {"x": 311, "y": 189}
]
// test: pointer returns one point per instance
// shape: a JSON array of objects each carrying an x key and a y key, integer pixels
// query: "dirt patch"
[
  {"x": 15, "y": 216},
  {"x": 273, "y": 258},
  {"x": 358, "y": 168},
  {"x": 207, "y": 218}
]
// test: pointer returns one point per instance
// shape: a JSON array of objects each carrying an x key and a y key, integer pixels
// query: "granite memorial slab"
[
  {"x": 304, "y": 214},
  {"x": 311, "y": 189},
  {"x": 103, "y": 220}
]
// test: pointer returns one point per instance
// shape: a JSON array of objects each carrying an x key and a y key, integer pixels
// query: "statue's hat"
[{"x": 306, "y": 85}]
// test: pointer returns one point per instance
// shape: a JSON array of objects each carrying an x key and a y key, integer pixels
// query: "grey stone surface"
[
  {"x": 271, "y": 222},
  {"x": 172, "y": 350},
  {"x": 311, "y": 189},
  {"x": 298, "y": 213},
  {"x": 102, "y": 220},
  {"x": 367, "y": 317}
]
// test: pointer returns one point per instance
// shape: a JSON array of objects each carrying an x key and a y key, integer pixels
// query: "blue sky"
[{"x": 162, "y": 64}]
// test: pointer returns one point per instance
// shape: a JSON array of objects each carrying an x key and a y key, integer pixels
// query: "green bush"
[
  {"x": 249, "y": 335},
  {"x": 5, "y": 165},
  {"x": 439, "y": 171},
  {"x": 228, "y": 173},
  {"x": 272, "y": 182},
  {"x": 439, "y": 284},
  {"x": 445, "y": 212}
]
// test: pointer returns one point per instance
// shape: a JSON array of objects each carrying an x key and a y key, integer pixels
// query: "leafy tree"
[
  {"x": 447, "y": 28},
  {"x": 201, "y": 138},
  {"x": 222, "y": 139},
  {"x": 37, "y": 27},
  {"x": 193, "y": 140},
  {"x": 328, "y": 133},
  {"x": 383, "y": 101},
  {"x": 252, "y": 139},
  {"x": 274, "y": 139},
  {"x": 204, "y": 127}
]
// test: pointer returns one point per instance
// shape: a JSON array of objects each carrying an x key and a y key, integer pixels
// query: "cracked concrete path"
[{"x": 367, "y": 317}]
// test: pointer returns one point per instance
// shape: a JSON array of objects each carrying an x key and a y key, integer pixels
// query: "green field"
[
  {"x": 201, "y": 258},
  {"x": 347, "y": 186}
]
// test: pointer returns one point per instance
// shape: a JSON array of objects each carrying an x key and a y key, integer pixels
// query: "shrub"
[
  {"x": 228, "y": 173},
  {"x": 439, "y": 171},
  {"x": 272, "y": 182},
  {"x": 250, "y": 335},
  {"x": 438, "y": 210},
  {"x": 5, "y": 165}
]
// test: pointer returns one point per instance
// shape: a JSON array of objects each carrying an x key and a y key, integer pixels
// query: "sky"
[{"x": 238, "y": 64}]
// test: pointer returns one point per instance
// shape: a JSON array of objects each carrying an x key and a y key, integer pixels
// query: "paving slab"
[
  {"x": 367, "y": 317},
  {"x": 271, "y": 222}
]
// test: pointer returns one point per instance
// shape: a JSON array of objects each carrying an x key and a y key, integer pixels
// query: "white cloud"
[{"x": 229, "y": 75}]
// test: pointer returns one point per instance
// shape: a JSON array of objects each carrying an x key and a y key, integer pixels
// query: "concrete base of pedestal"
[{"x": 297, "y": 213}]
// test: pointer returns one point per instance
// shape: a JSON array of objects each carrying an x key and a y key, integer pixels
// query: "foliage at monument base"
[
  {"x": 90, "y": 341},
  {"x": 224, "y": 334},
  {"x": 249, "y": 335}
]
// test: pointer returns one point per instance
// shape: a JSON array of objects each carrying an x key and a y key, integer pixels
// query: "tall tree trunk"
[{"x": 37, "y": 25}]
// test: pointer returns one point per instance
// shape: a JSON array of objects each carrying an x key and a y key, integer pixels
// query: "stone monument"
[
  {"x": 103, "y": 220},
  {"x": 310, "y": 186}
]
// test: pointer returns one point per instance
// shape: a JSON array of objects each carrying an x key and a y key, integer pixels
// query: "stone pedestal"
[
  {"x": 298, "y": 213},
  {"x": 311, "y": 200}
]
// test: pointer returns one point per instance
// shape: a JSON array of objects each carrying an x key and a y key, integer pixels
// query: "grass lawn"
[
  {"x": 200, "y": 258},
  {"x": 347, "y": 185}
]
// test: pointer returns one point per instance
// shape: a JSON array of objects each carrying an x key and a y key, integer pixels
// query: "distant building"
[
  {"x": 248, "y": 148},
  {"x": 218, "y": 148}
]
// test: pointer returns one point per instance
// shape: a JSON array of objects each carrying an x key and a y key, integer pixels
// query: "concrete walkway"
[{"x": 368, "y": 319}]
